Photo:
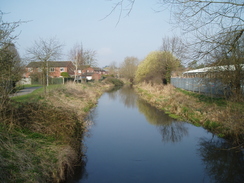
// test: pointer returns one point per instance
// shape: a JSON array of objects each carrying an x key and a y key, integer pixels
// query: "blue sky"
[{"x": 76, "y": 21}]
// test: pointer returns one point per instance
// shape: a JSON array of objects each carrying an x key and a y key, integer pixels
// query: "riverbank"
[
  {"x": 40, "y": 135},
  {"x": 224, "y": 118}
]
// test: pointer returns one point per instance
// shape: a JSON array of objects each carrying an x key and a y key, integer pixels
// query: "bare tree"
[
  {"x": 45, "y": 51},
  {"x": 6, "y": 31},
  {"x": 113, "y": 70},
  {"x": 195, "y": 65},
  {"x": 123, "y": 6},
  {"x": 210, "y": 21},
  {"x": 76, "y": 55},
  {"x": 90, "y": 57},
  {"x": 128, "y": 68},
  {"x": 228, "y": 66},
  {"x": 218, "y": 28},
  {"x": 82, "y": 58},
  {"x": 10, "y": 62},
  {"x": 177, "y": 47}
]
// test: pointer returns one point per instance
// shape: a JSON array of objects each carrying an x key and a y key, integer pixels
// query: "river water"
[{"x": 132, "y": 142}]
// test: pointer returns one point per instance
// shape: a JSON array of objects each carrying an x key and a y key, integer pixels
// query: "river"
[{"x": 133, "y": 142}]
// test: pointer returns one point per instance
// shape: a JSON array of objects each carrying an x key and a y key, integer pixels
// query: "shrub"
[
  {"x": 65, "y": 74},
  {"x": 114, "y": 81}
]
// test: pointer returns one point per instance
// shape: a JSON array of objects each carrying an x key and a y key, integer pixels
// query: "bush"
[
  {"x": 65, "y": 74},
  {"x": 114, "y": 81}
]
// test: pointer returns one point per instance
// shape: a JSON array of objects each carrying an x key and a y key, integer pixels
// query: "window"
[
  {"x": 61, "y": 69},
  {"x": 52, "y": 69}
]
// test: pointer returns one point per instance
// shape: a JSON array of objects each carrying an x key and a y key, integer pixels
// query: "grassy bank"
[
  {"x": 40, "y": 135},
  {"x": 224, "y": 118}
]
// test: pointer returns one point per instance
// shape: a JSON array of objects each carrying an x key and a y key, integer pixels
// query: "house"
[
  {"x": 55, "y": 68},
  {"x": 90, "y": 73}
]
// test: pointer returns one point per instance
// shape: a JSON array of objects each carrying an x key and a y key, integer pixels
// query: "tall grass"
[
  {"x": 220, "y": 116},
  {"x": 40, "y": 135}
]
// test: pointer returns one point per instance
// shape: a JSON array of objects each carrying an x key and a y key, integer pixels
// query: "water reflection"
[
  {"x": 221, "y": 163},
  {"x": 171, "y": 131},
  {"x": 90, "y": 121},
  {"x": 110, "y": 159},
  {"x": 153, "y": 115},
  {"x": 126, "y": 95}
]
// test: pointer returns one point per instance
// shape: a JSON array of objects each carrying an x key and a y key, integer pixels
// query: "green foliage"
[
  {"x": 221, "y": 135},
  {"x": 206, "y": 124},
  {"x": 175, "y": 116},
  {"x": 211, "y": 125},
  {"x": 158, "y": 64},
  {"x": 185, "y": 109},
  {"x": 65, "y": 74}
]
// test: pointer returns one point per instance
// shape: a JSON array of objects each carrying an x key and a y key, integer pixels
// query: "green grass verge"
[
  {"x": 204, "y": 98},
  {"x": 36, "y": 95},
  {"x": 26, "y": 155},
  {"x": 31, "y": 97}
]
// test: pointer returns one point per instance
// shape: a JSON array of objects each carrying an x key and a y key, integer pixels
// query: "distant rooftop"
[
  {"x": 213, "y": 69},
  {"x": 50, "y": 64}
]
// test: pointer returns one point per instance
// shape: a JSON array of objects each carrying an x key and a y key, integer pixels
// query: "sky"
[{"x": 83, "y": 21}]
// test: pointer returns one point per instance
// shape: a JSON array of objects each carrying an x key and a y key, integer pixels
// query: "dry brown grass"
[
  {"x": 40, "y": 141},
  {"x": 76, "y": 97},
  {"x": 224, "y": 120}
]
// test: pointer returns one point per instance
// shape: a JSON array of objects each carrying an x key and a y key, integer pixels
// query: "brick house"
[
  {"x": 55, "y": 68},
  {"x": 91, "y": 73}
]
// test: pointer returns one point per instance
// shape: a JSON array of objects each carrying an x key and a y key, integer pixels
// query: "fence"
[{"x": 203, "y": 85}]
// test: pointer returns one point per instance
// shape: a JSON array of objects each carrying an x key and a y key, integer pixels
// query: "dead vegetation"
[
  {"x": 224, "y": 118},
  {"x": 41, "y": 141}
]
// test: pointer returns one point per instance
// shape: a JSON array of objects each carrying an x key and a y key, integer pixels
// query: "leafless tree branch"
[{"x": 122, "y": 7}]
